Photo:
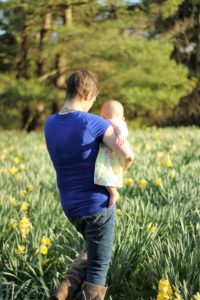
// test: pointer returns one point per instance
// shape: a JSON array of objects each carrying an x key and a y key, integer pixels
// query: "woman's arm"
[{"x": 123, "y": 151}]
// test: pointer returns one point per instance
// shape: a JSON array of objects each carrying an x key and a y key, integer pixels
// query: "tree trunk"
[
  {"x": 44, "y": 38},
  {"x": 68, "y": 16},
  {"x": 22, "y": 58},
  {"x": 198, "y": 46},
  {"x": 61, "y": 64}
]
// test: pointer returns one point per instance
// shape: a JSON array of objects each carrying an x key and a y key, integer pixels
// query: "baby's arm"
[
  {"x": 121, "y": 135},
  {"x": 124, "y": 151}
]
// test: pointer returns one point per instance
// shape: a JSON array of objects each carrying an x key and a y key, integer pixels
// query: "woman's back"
[{"x": 73, "y": 142}]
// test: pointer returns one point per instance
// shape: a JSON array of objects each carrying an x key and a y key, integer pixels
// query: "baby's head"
[{"x": 112, "y": 109}]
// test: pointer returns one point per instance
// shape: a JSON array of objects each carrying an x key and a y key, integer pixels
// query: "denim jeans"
[{"x": 98, "y": 233}]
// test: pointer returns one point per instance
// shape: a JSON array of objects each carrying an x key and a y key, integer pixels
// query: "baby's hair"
[{"x": 112, "y": 107}]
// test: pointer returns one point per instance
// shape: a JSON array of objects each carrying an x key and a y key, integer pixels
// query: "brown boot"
[
  {"x": 93, "y": 292},
  {"x": 73, "y": 279}
]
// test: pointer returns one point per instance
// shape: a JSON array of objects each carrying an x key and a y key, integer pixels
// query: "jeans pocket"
[{"x": 97, "y": 219}]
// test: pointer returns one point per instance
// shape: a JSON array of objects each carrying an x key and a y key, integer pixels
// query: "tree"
[{"x": 112, "y": 39}]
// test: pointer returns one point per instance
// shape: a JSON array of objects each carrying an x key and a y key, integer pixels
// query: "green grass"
[{"x": 158, "y": 226}]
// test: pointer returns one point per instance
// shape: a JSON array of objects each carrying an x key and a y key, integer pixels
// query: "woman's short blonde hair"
[{"x": 80, "y": 83}]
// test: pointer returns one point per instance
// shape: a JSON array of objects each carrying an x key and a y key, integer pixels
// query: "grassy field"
[{"x": 156, "y": 252}]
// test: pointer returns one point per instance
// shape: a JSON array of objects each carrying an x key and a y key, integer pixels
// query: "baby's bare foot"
[{"x": 113, "y": 198}]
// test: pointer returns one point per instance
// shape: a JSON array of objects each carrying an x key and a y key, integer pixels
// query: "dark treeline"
[{"x": 147, "y": 55}]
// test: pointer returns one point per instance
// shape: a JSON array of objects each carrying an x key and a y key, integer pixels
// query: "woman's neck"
[{"x": 72, "y": 106}]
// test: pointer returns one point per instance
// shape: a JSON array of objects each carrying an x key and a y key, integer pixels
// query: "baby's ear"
[{"x": 124, "y": 118}]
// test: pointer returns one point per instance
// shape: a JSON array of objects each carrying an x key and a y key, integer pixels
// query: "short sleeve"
[{"x": 97, "y": 126}]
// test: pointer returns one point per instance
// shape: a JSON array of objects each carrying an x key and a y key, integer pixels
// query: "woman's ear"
[{"x": 87, "y": 96}]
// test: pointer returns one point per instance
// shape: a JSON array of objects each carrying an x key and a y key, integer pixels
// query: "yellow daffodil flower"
[
  {"x": 151, "y": 228},
  {"x": 196, "y": 297},
  {"x": 158, "y": 181},
  {"x": 143, "y": 183},
  {"x": 129, "y": 181},
  {"x": 119, "y": 213},
  {"x": 24, "y": 226},
  {"x": 13, "y": 170},
  {"x": 24, "y": 206},
  {"x": 46, "y": 241},
  {"x": 13, "y": 202},
  {"x": 164, "y": 287},
  {"x": 43, "y": 249},
  {"x": 22, "y": 167},
  {"x": 30, "y": 187},
  {"x": 16, "y": 159},
  {"x": 13, "y": 223},
  {"x": 177, "y": 296},
  {"x": 173, "y": 149},
  {"x": 22, "y": 193},
  {"x": 20, "y": 249}
]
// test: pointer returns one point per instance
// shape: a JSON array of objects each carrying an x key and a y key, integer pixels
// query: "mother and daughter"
[{"x": 90, "y": 153}]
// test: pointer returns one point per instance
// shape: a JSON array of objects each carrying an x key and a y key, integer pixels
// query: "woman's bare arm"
[{"x": 123, "y": 151}]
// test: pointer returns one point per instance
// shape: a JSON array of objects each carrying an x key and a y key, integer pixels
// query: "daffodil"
[
  {"x": 20, "y": 249},
  {"x": 3, "y": 157},
  {"x": 148, "y": 148},
  {"x": 46, "y": 241},
  {"x": 158, "y": 181},
  {"x": 119, "y": 213},
  {"x": 24, "y": 206},
  {"x": 24, "y": 226},
  {"x": 22, "y": 193},
  {"x": 173, "y": 149},
  {"x": 13, "y": 170},
  {"x": 160, "y": 154},
  {"x": 167, "y": 162},
  {"x": 22, "y": 167},
  {"x": 30, "y": 187},
  {"x": 163, "y": 297},
  {"x": 197, "y": 296},
  {"x": 164, "y": 287},
  {"x": 143, "y": 183},
  {"x": 129, "y": 181},
  {"x": 13, "y": 223},
  {"x": 43, "y": 249},
  {"x": 11, "y": 148},
  {"x": 177, "y": 296},
  {"x": 151, "y": 228},
  {"x": 13, "y": 201},
  {"x": 16, "y": 159}
]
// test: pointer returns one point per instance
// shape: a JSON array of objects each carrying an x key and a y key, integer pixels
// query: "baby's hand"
[
  {"x": 113, "y": 198},
  {"x": 120, "y": 140}
]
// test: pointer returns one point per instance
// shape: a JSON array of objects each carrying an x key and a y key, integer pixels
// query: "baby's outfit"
[{"x": 108, "y": 167}]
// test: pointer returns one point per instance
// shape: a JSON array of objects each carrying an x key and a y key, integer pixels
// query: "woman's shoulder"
[{"x": 90, "y": 118}]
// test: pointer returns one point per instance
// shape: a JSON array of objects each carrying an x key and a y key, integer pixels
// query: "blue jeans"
[{"x": 98, "y": 233}]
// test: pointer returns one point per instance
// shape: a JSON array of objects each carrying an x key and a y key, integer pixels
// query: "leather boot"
[
  {"x": 93, "y": 292},
  {"x": 73, "y": 279}
]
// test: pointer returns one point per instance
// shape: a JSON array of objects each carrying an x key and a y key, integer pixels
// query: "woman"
[{"x": 72, "y": 138}]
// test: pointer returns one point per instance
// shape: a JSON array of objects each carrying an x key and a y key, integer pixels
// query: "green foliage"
[
  {"x": 18, "y": 93},
  {"x": 107, "y": 38}
]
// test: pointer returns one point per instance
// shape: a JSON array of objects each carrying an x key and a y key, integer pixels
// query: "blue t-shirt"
[{"x": 72, "y": 141}]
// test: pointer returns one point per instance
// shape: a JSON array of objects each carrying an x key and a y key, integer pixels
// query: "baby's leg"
[{"x": 114, "y": 195}]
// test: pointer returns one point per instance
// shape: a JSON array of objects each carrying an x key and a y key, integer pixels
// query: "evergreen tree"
[{"x": 50, "y": 39}]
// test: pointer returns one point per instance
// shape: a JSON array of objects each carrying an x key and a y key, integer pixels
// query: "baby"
[{"x": 109, "y": 168}]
